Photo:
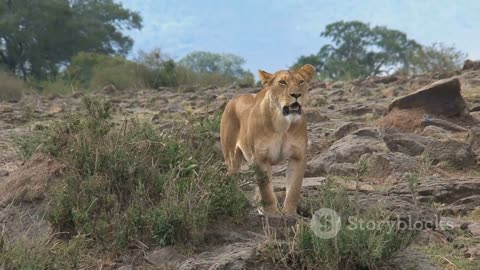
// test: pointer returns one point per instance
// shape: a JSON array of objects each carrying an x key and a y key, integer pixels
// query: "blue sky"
[{"x": 271, "y": 35}]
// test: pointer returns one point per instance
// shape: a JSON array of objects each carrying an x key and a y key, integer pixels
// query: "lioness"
[{"x": 267, "y": 128}]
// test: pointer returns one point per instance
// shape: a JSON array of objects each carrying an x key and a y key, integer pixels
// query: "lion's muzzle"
[{"x": 294, "y": 108}]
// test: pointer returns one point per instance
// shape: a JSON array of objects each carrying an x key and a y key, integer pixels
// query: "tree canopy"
[
  {"x": 359, "y": 50},
  {"x": 229, "y": 65},
  {"x": 39, "y": 37}
]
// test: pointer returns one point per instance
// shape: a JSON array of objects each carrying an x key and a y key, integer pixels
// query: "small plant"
[
  {"x": 356, "y": 245},
  {"x": 412, "y": 185}
]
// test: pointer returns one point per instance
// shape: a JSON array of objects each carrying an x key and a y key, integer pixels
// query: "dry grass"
[{"x": 11, "y": 89}]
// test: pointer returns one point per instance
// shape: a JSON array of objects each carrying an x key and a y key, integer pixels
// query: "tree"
[
  {"x": 437, "y": 57},
  {"x": 228, "y": 65},
  {"x": 39, "y": 37},
  {"x": 359, "y": 50}
]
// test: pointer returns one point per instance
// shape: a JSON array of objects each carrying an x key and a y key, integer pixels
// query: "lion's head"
[{"x": 288, "y": 89}]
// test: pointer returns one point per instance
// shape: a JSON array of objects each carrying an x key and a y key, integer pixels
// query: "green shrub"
[
  {"x": 132, "y": 182},
  {"x": 59, "y": 86},
  {"x": 11, "y": 88},
  {"x": 353, "y": 247},
  {"x": 95, "y": 71}
]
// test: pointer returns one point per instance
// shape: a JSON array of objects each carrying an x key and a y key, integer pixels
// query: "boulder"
[
  {"x": 389, "y": 167},
  {"x": 474, "y": 229},
  {"x": 440, "y": 98},
  {"x": 432, "y": 121},
  {"x": 471, "y": 65},
  {"x": 344, "y": 129},
  {"x": 439, "y": 189},
  {"x": 407, "y": 143},
  {"x": 457, "y": 153},
  {"x": 349, "y": 149},
  {"x": 473, "y": 140}
]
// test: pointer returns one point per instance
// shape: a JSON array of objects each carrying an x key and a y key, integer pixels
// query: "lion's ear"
[
  {"x": 264, "y": 77},
  {"x": 307, "y": 72}
]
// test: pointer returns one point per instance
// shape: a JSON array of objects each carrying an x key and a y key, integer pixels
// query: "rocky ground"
[{"x": 410, "y": 144}]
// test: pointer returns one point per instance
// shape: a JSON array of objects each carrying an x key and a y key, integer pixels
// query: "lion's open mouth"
[{"x": 294, "y": 108}]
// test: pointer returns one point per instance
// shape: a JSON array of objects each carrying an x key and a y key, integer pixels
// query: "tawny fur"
[{"x": 254, "y": 129}]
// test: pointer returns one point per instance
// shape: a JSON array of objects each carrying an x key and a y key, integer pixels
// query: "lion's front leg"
[
  {"x": 263, "y": 174},
  {"x": 295, "y": 172}
]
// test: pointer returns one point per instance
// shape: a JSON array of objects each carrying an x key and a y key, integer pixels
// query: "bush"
[
  {"x": 161, "y": 68},
  {"x": 10, "y": 88},
  {"x": 206, "y": 68},
  {"x": 354, "y": 247},
  {"x": 92, "y": 70},
  {"x": 134, "y": 183},
  {"x": 59, "y": 86}
]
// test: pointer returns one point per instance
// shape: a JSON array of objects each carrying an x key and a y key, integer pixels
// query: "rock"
[
  {"x": 316, "y": 167},
  {"x": 471, "y": 65},
  {"x": 309, "y": 183},
  {"x": 462, "y": 206},
  {"x": 407, "y": 143},
  {"x": 429, "y": 236},
  {"x": 316, "y": 116},
  {"x": 473, "y": 139},
  {"x": 230, "y": 257},
  {"x": 392, "y": 91},
  {"x": 389, "y": 167},
  {"x": 457, "y": 153},
  {"x": 211, "y": 107},
  {"x": 412, "y": 258},
  {"x": 165, "y": 258},
  {"x": 436, "y": 132},
  {"x": 375, "y": 133},
  {"x": 440, "y": 98},
  {"x": 344, "y": 129},
  {"x": 30, "y": 182},
  {"x": 342, "y": 169},
  {"x": 431, "y": 121},
  {"x": 361, "y": 109},
  {"x": 5, "y": 109},
  {"x": 386, "y": 79},
  {"x": 440, "y": 190},
  {"x": 4, "y": 173},
  {"x": 77, "y": 95},
  {"x": 349, "y": 149},
  {"x": 55, "y": 110},
  {"x": 472, "y": 252},
  {"x": 337, "y": 85},
  {"x": 474, "y": 229},
  {"x": 402, "y": 208},
  {"x": 54, "y": 96},
  {"x": 109, "y": 89}
]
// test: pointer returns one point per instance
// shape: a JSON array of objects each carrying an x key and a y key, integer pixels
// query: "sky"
[{"x": 271, "y": 35}]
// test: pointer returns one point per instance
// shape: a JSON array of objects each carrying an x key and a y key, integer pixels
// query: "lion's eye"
[
  {"x": 282, "y": 82},
  {"x": 301, "y": 82}
]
